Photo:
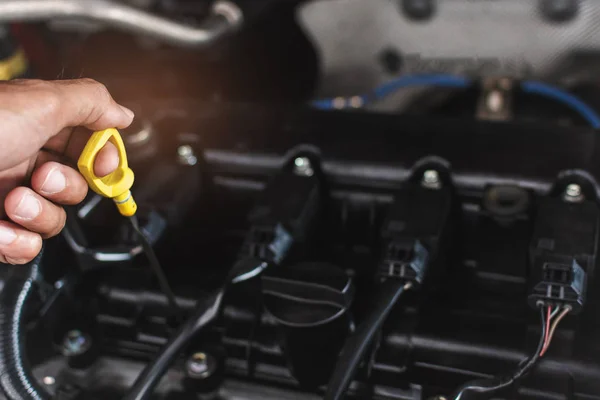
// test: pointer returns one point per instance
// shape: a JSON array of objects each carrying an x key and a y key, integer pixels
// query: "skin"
[{"x": 45, "y": 125}]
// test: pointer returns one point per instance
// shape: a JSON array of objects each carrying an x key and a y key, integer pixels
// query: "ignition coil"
[
  {"x": 563, "y": 251},
  {"x": 562, "y": 254},
  {"x": 280, "y": 222},
  {"x": 412, "y": 234},
  {"x": 414, "y": 227},
  {"x": 285, "y": 213}
]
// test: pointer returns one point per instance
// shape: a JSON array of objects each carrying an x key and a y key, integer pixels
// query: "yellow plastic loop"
[
  {"x": 115, "y": 185},
  {"x": 13, "y": 66}
]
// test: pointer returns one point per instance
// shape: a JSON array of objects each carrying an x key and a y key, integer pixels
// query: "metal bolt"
[
  {"x": 356, "y": 102},
  {"x": 573, "y": 193},
  {"x": 495, "y": 101},
  {"x": 201, "y": 365},
  {"x": 76, "y": 343},
  {"x": 49, "y": 380},
  {"x": 303, "y": 166},
  {"x": 431, "y": 179},
  {"x": 186, "y": 155},
  {"x": 339, "y": 103}
]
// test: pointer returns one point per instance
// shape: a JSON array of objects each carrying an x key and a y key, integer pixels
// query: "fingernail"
[
  {"x": 7, "y": 235},
  {"x": 29, "y": 207},
  {"x": 55, "y": 182},
  {"x": 128, "y": 112}
]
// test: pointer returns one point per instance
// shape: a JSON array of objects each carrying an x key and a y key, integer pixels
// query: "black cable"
[
  {"x": 207, "y": 310},
  {"x": 156, "y": 268},
  {"x": 485, "y": 388},
  {"x": 357, "y": 344},
  {"x": 16, "y": 377}
]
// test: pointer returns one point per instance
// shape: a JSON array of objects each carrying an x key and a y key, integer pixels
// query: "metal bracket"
[{"x": 495, "y": 102}]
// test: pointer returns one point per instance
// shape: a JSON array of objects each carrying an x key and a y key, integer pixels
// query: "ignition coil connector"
[
  {"x": 563, "y": 252},
  {"x": 285, "y": 213}
]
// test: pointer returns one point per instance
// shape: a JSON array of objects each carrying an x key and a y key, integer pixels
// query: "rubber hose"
[
  {"x": 357, "y": 344},
  {"x": 16, "y": 378},
  {"x": 207, "y": 310}
]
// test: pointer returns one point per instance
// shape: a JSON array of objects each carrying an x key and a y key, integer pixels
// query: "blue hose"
[
  {"x": 451, "y": 81},
  {"x": 382, "y": 91},
  {"x": 566, "y": 98}
]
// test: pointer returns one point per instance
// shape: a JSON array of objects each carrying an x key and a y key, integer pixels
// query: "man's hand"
[{"x": 59, "y": 117}]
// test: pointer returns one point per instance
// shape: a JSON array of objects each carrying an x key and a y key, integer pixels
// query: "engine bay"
[{"x": 342, "y": 207}]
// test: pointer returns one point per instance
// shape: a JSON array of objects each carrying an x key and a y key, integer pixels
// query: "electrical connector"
[
  {"x": 414, "y": 229},
  {"x": 405, "y": 259},
  {"x": 563, "y": 252},
  {"x": 284, "y": 214},
  {"x": 412, "y": 234}
]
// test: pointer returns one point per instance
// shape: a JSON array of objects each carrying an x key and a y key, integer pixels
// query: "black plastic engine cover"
[{"x": 473, "y": 322}]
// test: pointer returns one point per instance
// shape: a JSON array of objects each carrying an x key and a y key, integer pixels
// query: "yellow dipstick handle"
[
  {"x": 13, "y": 66},
  {"x": 115, "y": 185}
]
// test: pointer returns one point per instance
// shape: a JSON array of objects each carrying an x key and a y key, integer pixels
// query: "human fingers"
[
  {"x": 59, "y": 183},
  {"x": 34, "y": 111},
  {"x": 33, "y": 212},
  {"x": 17, "y": 244}
]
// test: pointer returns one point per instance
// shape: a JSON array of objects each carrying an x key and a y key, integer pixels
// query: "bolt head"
[
  {"x": 185, "y": 150},
  {"x": 303, "y": 166},
  {"x": 192, "y": 160},
  {"x": 301, "y": 162},
  {"x": 573, "y": 193},
  {"x": 495, "y": 101},
  {"x": 201, "y": 365},
  {"x": 76, "y": 343},
  {"x": 431, "y": 179},
  {"x": 49, "y": 380},
  {"x": 186, "y": 155},
  {"x": 431, "y": 176},
  {"x": 573, "y": 190}
]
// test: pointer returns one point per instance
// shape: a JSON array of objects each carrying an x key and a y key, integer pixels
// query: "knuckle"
[
  {"x": 52, "y": 101},
  {"x": 46, "y": 94},
  {"x": 86, "y": 81},
  {"x": 102, "y": 94}
]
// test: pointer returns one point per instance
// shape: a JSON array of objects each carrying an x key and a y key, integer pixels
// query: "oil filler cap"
[{"x": 310, "y": 302}]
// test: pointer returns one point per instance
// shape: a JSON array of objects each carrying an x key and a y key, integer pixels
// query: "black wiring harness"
[
  {"x": 486, "y": 388},
  {"x": 357, "y": 345},
  {"x": 19, "y": 293}
]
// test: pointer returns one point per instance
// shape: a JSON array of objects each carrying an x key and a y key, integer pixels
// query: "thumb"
[
  {"x": 85, "y": 102},
  {"x": 34, "y": 111}
]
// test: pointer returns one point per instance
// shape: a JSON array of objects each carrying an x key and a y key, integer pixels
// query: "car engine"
[{"x": 337, "y": 199}]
